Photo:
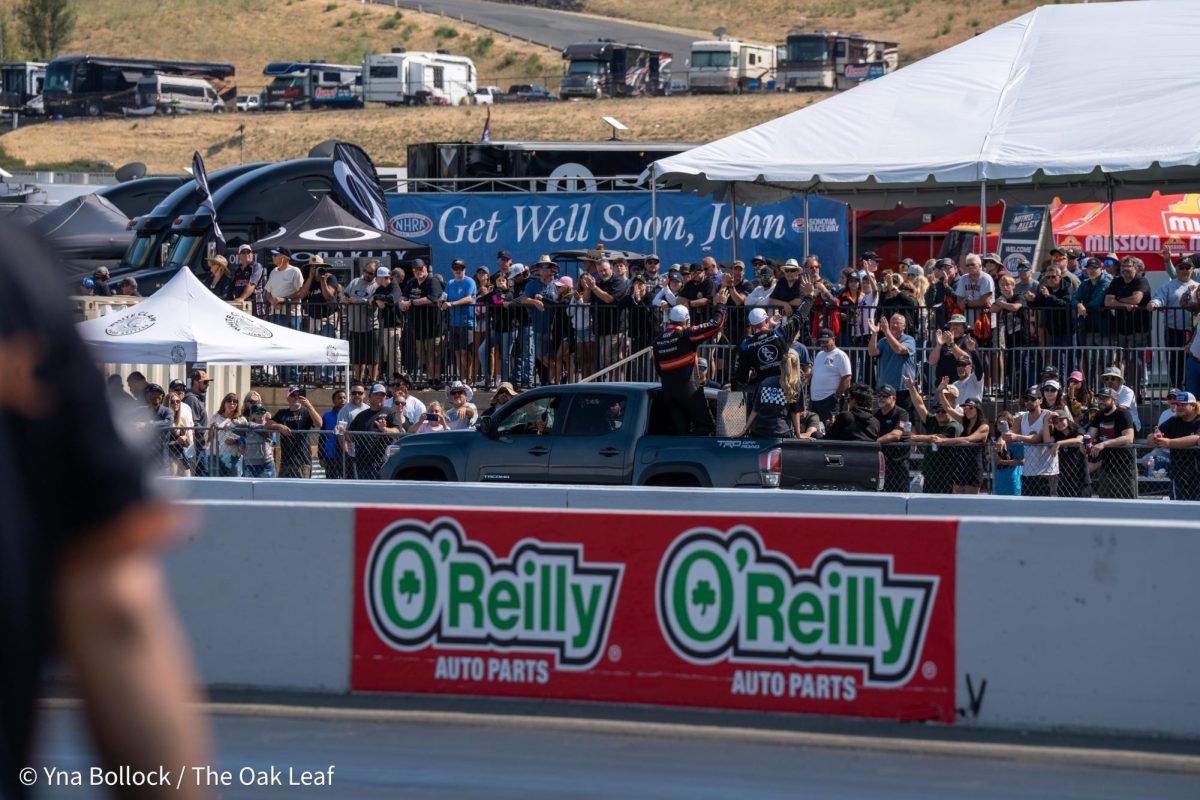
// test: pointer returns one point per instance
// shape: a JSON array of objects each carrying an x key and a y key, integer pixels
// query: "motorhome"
[
  {"x": 730, "y": 67},
  {"x": 174, "y": 94},
  {"x": 832, "y": 60},
  {"x": 22, "y": 85},
  {"x": 418, "y": 78},
  {"x": 604, "y": 68},
  {"x": 94, "y": 85},
  {"x": 313, "y": 84}
]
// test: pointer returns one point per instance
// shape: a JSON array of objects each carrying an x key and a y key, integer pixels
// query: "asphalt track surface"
[
  {"x": 453, "y": 756},
  {"x": 556, "y": 29}
]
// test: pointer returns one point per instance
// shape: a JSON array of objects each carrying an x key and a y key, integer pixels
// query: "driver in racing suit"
[
  {"x": 762, "y": 352},
  {"x": 675, "y": 359}
]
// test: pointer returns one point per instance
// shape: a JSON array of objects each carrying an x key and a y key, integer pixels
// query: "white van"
[{"x": 172, "y": 94}]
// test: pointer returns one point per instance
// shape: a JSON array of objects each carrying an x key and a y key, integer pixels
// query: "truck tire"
[
  {"x": 93, "y": 109},
  {"x": 674, "y": 479}
]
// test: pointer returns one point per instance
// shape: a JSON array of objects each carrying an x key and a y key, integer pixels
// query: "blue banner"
[{"x": 474, "y": 227}]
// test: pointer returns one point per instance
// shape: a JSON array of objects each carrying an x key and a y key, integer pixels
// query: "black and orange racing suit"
[{"x": 675, "y": 359}]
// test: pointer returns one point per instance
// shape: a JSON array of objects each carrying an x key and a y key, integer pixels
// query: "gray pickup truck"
[{"x": 610, "y": 434}]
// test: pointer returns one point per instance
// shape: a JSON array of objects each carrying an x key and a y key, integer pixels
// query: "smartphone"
[
  {"x": 1003, "y": 426},
  {"x": 431, "y": 416}
]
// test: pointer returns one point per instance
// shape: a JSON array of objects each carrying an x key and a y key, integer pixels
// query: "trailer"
[
  {"x": 728, "y": 66},
  {"x": 83, "y": 85},
  {"x": 400, "y": 78},
  {"x": 22, "y": 83},
  {"x": 604, "y": 68},
  {"x": 313, "y": 84},
  {"x": 832, "y": 60}
]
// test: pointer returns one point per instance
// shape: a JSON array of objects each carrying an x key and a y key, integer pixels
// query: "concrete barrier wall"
[{"x": 1080, "y": 625}]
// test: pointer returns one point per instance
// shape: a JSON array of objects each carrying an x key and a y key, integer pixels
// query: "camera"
[
  {"x": 431, "y": 416},
  {"x": 321, "y": 271}
]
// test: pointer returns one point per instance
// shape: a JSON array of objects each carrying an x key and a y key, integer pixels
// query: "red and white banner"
[{"x": 846, "y": 616}]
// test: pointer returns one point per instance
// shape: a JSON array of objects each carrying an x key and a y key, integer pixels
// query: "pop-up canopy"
[
  {"x": 185, "y": 322},
  {"x": 1083, "y": 102}
]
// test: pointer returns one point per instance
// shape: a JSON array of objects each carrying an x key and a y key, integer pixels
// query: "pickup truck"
[
  {"x": 611, "y": 434},
  {"x": 487, "y": 95},
  {"x": 528, "y": 93}
]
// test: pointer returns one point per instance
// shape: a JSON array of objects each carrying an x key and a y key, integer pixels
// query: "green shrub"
[{"x": 445, "y": 32}]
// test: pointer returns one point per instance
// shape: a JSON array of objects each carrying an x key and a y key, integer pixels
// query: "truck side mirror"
[{"x": 486, "y": 426}]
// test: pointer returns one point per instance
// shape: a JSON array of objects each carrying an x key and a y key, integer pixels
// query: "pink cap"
[
  {"x": 565, "y": 280},
  {"x": 1076, "y": 376}
]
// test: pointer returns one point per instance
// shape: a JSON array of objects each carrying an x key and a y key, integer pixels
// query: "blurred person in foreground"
[{"x": 82, "y": 575}]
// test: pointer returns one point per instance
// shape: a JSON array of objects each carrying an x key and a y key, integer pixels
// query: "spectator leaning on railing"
[
  {"x": 1174, "y": 297},
  {"x": 1181, "y": 435},
  {"x": 1114, "y": 460},
  {"x": 295, "y": 448},
  {"x": 1094, "y": 319},
  {"x": 1129, "y": 297},
  {"x": 937, "y": 463},
  {"x": 329, "y": 454},
  {"x": 362, "y": 321},
  {"x": 1039, "y": 473},
  {"x": 369, "y": 433}
]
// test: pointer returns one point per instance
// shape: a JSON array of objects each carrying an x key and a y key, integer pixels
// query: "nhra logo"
[
  {"x": 132, "y": 323},
  {"x": 410, "y": 224},
  {"x": 798, "y": 225},
  {"x": 247, "y": 326},
  {"x": 426, "y": 584},
  {"x": 725, "y": 597}
]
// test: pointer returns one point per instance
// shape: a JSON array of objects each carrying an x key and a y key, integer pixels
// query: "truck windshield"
[
  {"x": 185, "y": 247},
  {"x": 713, "y": 58},
  {"x": 279, "y": 84},
  {"x": 807, "y": 48},
  {"x": 139, "y": 251},
  {"x": 58, "y": 78},
  {"x": 585, "y": 68}
]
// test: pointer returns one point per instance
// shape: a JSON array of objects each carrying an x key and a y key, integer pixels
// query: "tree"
[{"x": 45, "y": 25}]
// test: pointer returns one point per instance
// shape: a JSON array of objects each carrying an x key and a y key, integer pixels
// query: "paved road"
[
  {"x": 555, "y": 28},
  {"x": 401, "y": 759}
]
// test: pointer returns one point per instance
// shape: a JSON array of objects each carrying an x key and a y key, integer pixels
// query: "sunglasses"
[
  {"x": 452, "y": 394},
  {"x": 360, "y": 394}
]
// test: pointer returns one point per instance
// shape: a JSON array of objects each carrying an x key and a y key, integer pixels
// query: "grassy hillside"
[
  {"x": 250, "y": 33},
  {"x": 165, "y": 144},
  {"x": 922, "y": 27}
]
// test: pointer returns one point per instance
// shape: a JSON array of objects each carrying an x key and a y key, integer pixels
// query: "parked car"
[
  {"x": 528, "y": 93},
  {"x": 488, "y": 95},
  {"x": 249, "y": 102},
  {"x": 614, "y": 434},
  {"x": 173, "y": 94}
]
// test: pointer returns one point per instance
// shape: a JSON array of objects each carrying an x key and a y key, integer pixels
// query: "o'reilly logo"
[
  {"x": 727, "y": 597},
  {"x": 427, "y": 585}
]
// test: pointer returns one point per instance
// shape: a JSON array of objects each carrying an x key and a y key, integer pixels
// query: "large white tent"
[
  {"x": 1083, "y": 102},
  {"x": 184, "y": 322}
]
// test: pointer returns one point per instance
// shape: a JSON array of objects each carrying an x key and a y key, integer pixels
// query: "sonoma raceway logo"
[
  {"x": 725, "y": 597},
  {"x": 410, "y": 224},
  {"x": 426, "y": 584},
  {"x": 133, "y": 323}
]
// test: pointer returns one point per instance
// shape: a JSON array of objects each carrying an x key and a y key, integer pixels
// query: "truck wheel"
[
  {"x": 93, "y": 110},
  {"x": 287, "y": 106}
]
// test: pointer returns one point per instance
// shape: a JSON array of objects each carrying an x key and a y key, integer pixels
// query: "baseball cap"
[
  {"x": 383, "y": 272},
  {"x": 1113, "y": 372},
  {"x": 281, "y": 251},
  {"x": 200, "y": 375},
  {"x": 652, "y": 259},
  {"x": 378, "y": 388},
  {"x": 681, "y": 314},
  {"x": 737, "y": 262},
  {"x": 757, "y": 316},
  {"x": 907, "y": 262},
  {"x": 887, "y": 390},
  {"x": 702, "y": 363},
  {"x": 947, "y": 263},
  {"x": 1030, "y": 394},
  {"x": 1093, "y": 263},
  {"x": 1076, "y": 376},
  {"x": 952, "y": 390},
  {"x": 758, "y": 260},
  {"x": 297, "y": 390},
  {"x": 458, "y": 262},
  {"x": 517, "y": 269},
  {"x": 177, "y": 384},
  {"x": 824, "y": 335},
  {"x": 915, "y": 269},
  {"x": 1049, "y": 369},
  {"x": 245, "y": 248},
  {"x": 504, "y": 254},
  {"x": 994, "y": 258},
  {"x": 1185, "y": 398},
  {"x": 151, "y": 388},
  {"x": 1058, "y": 251},
  {"x": 565, "y": 280},
  {"x": 675, "y": 275},
  {"x": 958, "y": 318},
  {"x": 971, "y": 401},
  {"x": 639, "y": 278},
  {"x": 1107, "y": 391},
  {"x": 418, "y": 262},
  {"x": 1052, "y": 385}
]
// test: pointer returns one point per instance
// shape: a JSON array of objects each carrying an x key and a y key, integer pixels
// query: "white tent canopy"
[
  {"x": 185, "y": 322},
  {"x": 1074, "y": 101}
]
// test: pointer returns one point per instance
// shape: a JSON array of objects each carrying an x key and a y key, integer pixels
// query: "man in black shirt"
[
  {"x": 295, "y": 450},
  {"x": 604, "y": 292},
  {"x": 642, "y": 318},
  {"x": 319, "y": 306},
  {"x": 1129, "y": 296},
  {"x": 1113, "y": 456},
  {"x": 893, "y": 423},
  {"x": 697, "y": 292},
  {"x": 366, "y": 440},
  {"x": 736, "y": 288},
  {"x": 78, "y": 570},
  {"x": 422, "y": 292},
  {"x": 1181, "y": 434},
  {"x": 857, "y": 423},
  {"x": 196, "y": 401}
]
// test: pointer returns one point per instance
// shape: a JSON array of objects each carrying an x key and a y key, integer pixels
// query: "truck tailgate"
[{"x": 823, "y": 464}]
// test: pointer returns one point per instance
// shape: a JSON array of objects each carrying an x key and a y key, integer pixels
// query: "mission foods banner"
[
  {"x": 773, "y": 613},
  {"x": 474, "y": 226}
]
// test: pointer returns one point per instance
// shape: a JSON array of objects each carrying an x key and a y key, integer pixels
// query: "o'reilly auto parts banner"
[
  {"x": 473, "y": 227},
  {"x": 772, "y": 613}
]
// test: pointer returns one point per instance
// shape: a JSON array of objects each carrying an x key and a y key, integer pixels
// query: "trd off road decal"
[{"x": 842, "y": 616}]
